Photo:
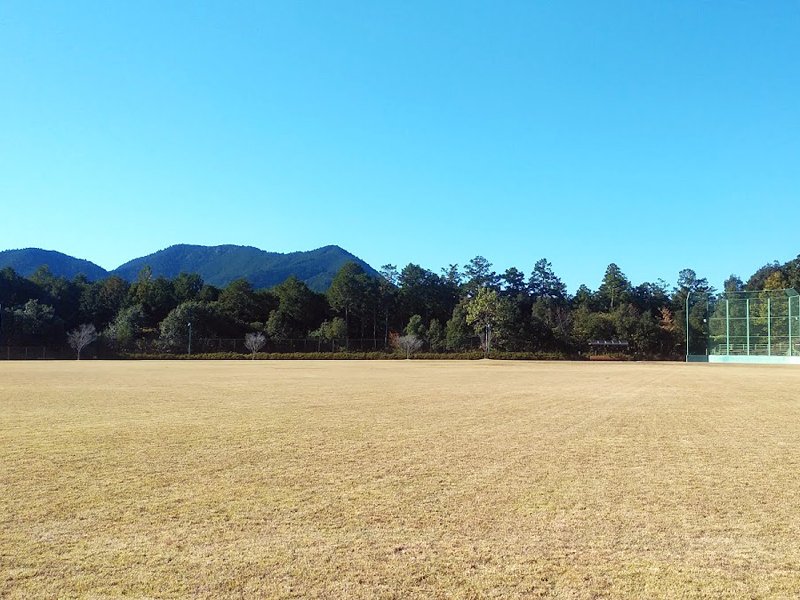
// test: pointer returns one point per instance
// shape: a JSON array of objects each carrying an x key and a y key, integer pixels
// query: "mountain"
[
  {"x": 217, "y": 265},
  {"x": 26, "y": 261}
]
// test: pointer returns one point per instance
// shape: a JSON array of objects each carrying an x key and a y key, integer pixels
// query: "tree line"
[{"x": 456, "y": 309}]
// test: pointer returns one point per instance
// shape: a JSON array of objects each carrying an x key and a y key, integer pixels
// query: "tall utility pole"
[{"x": 688, "y": 293}]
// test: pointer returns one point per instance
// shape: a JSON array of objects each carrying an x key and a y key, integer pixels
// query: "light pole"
[
  {"x": 688, "y": 293},
  {"x": 190, "y": 338}
]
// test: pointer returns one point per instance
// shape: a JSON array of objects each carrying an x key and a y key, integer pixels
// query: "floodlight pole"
[
  {"x": 688, "y": 293},
  {"x": 190, "y": 338},
  {"x": 790, "y": 325},
  {"x": 769, "y": 326},
  {"x": 727, "y": 326},
  {"x": 747, "y": 314}
]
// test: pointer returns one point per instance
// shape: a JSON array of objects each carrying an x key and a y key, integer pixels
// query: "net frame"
[{"x": 754, "y": 323}]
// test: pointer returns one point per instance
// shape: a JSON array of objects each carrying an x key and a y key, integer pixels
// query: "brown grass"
[{"x": 398, "y": 480}]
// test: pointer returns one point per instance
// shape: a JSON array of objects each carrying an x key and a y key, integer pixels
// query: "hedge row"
[{"x": 350, "y": 356}]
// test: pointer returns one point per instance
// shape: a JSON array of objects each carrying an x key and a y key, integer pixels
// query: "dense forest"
[{"x": 455, "y": 310}]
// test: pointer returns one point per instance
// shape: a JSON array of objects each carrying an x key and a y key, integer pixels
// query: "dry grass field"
[{"x": 398, "y": 479}]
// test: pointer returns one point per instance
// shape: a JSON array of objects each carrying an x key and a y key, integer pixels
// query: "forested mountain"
[
  {"x": 27, "y": 260},
  {"x": 217, "y": 265}
]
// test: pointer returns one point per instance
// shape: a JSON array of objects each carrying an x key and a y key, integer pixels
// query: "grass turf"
[{"x": 398, "y": 479}]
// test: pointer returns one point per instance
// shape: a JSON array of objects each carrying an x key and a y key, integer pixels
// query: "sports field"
[{"x": 398, "y": 479}]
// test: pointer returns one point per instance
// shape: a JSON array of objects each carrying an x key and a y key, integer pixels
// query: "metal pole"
[
  {"x": 769, "y": 326},
  {"x": 790, "y": 325},
  {"x": 727, "y": 327},
  {"x": 687, "y": 325},
  {"x": 747, "y": 319},
  {"x": 190, "y": 338}
]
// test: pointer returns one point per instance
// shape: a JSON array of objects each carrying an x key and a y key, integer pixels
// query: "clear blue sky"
[{"x": 655, "y": 134}]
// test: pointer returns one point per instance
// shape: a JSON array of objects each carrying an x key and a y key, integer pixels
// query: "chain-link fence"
[{"x": 761, "y": 323}]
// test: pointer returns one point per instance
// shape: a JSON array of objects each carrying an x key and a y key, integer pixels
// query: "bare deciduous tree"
[
  {"x": 254, "y": 342},
  {"x": 409, "y": 344},
  {"x": 81, "y": 337}
]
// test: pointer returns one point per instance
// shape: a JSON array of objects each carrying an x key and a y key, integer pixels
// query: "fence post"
[
  {"x": 727, "y": 327},
  {"x": 748, "y": 325},
  {"x": 769, "y": 326}
]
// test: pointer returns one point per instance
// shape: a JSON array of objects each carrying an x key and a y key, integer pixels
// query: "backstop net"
[{"x": 761, "y": 323}]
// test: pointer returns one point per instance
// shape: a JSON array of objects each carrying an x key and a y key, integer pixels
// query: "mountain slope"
[
  {"x": 25, "y": 262},
  {"x": 219, "y": 265}
]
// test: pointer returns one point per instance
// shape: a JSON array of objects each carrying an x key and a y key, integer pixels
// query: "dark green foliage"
[
  {"x": 544, "y": 283},
  {"x": 733, "y": 284},
  {"x": 190, "y": 264},
  {"x": 237, "y": 303},
  {"x": 422, "y": 292},
  {"x": 478, "y": 274},
  {"x": 531, "y": 318},
  {"x": 514, "y": 283},
  {"x": 155, "y": 295},
  {"x": 299, "y": 309},
  {"x": 187, "y": 286},
  {"x": 352, "y": 295},
  {"x": 457, "y": 332},
  {"x": 102, "y": 300},
  {"x": 435, "y": 336},
  {"x": 497, "y": 355},
  {"x": 415, "y": 327},
  {"x": 615, "y": 289},
  {"x": 27, "y": 261},
  {"x": 123, "y": 333},
  {"x": 757, "y": 280},
  {"x": 15, "y": 289},
  {"x": 330, "y": 334},
  {"x": 205, "y": 319},
  {"x": 209, "y": 293},
  {"x": 220, "y": 265},
  {"x": 35, "y": 320}
]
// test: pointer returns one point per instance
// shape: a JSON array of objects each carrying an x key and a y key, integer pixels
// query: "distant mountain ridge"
[
  {"x": 217, "y": 265},
  {"x": 27, "y": 260}
]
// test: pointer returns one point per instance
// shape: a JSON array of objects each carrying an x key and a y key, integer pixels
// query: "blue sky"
[{"x": 657, "y": 135}]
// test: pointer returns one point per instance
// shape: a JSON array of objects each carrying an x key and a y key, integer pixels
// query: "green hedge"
[{"x": 350, "y": 356}]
